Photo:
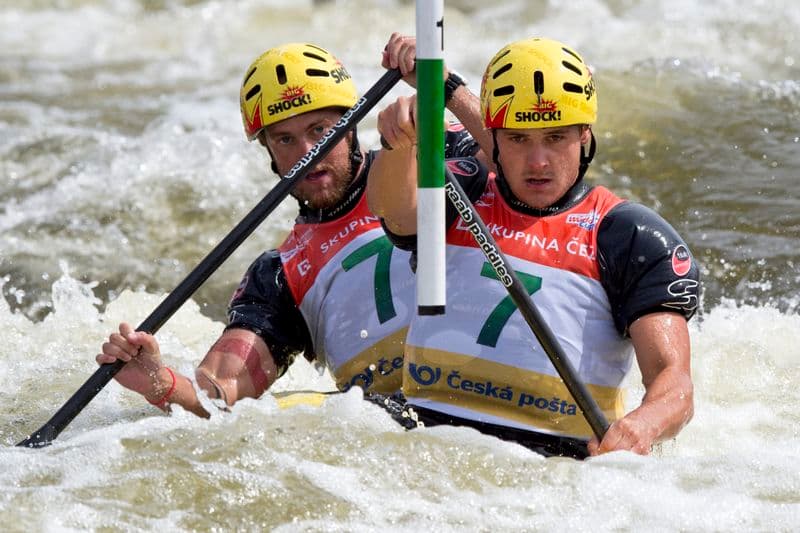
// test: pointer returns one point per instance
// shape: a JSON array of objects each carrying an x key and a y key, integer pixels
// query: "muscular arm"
[
  {"x": 663, "y": 349},
  {"x": 239, "y": 365},
  {"x": 662, "y": 345},
  {"x": 467, "y": 109},
  {"x": 391, "y": 186}
]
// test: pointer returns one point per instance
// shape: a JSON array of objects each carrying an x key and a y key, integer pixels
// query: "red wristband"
[{"x": 163, "y": 401}]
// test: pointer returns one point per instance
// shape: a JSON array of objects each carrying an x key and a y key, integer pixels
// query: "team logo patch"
[
  {"x": 288, "y": 255},
  {"x": 681, "y": 261},
  {"x": 585, "y": 220},
  {"x": 295, "y": 244},
  {"x": 464, "y": 167},
  {"x": 683, "y": 294},
  {"x": 486, "y": 200}
]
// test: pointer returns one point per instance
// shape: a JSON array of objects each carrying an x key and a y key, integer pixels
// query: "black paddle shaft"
[
  {"x": 524, "y": 303},
  {"x": 186, "y": 288}
]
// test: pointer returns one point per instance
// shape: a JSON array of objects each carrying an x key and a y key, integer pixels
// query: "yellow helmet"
[
  {"x": 537, "y": 83},
  {"x": 290, "y": 80}
]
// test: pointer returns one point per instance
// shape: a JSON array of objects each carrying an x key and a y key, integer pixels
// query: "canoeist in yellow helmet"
[
  {"x": 611, "y": 278},
  {"x": 335, "y": 290}
]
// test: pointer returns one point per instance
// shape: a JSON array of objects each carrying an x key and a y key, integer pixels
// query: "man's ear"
[{"x": 586, "y": 133}]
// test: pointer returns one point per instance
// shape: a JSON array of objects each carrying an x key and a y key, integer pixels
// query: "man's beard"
[
  {"x": 343, "y": 176},
  {"x": 327, "y": 198}
]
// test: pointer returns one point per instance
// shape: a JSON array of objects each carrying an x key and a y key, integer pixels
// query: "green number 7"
[
  {"x": 382, "y": 248},
  {"x": 497, "y": 319}
]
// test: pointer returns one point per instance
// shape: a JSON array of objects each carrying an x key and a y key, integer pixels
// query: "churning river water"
[{"x": 123, "y": 162}]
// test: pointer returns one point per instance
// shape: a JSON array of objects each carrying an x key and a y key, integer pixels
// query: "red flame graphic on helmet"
[
  {"x": 254, "y": 123},
  {"x": 292, "y": 92},
  {"x": 498, "y": 119}
]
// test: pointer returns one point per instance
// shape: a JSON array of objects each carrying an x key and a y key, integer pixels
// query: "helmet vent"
[
  {"x": 502, "y": 70},
  {"x": 538, "y": 83},
  {"x": 572, "y": 67},
  {"x": 573, "y": 54},
  {"x": 315, "y": 72},
  {"x": 315, "y": 56},
  {"x": 498, "y": 58},
  {"x": 249, "y": 74},
  {"x": 573, "y": 88},
  {"x": 504, "y": 90},
  {"x": 252, "y": 92},
  {"x": 280, "y": 72}
]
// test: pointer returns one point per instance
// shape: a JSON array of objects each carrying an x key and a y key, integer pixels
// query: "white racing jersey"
[
  {"x": 481, "y": 361},
  {"x": 355, "y": 292}
]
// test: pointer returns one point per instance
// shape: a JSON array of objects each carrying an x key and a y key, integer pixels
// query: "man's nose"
[{"x": 537, "y": 156}]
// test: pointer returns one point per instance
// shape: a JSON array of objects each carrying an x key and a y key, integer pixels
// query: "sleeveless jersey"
[
  {"x": 355, "y": 292},
  {"x": 481, "y": 361}
]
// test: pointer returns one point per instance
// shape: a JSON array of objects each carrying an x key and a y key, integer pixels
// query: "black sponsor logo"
[
  {"x": 537, "y": 116},
  {"x": 286, "y": 105},
  {"x": 589, "y": 89},
  {"x": 486, "y": 243},
  {"x": 340, "y": 74}
]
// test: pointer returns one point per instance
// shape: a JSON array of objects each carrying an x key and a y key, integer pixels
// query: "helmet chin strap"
[
  {"x": 586, "y": 158},
  {"x": 496, "y": 153},
  {"x": 356, "y": 157}
]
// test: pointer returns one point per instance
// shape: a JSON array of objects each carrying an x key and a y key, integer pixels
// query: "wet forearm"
[
  {"x": 391, "y": 192},
  {"x": 668, "y": 403}
]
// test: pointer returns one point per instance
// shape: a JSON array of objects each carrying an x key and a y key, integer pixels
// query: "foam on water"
[{"x": 347, "y": 465}]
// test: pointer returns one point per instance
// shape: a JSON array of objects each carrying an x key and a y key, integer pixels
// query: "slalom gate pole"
[{"x": 430, "y": 154}]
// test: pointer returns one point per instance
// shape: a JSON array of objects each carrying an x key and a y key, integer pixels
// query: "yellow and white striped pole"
[{"x": 430, "y": 154}]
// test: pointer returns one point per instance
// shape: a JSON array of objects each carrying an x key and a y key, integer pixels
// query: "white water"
[{"x": 123, "y": 162}]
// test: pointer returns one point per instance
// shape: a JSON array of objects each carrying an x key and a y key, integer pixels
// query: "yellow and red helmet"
[
  {"x": 290, "y": 80},
  {"x": 537, "y": 83}
]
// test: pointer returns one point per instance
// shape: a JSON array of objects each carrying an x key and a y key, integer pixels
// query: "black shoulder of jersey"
[{"x": 645, "y": 265}]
